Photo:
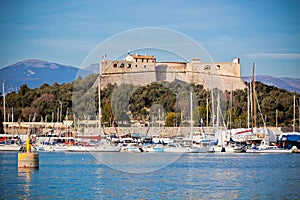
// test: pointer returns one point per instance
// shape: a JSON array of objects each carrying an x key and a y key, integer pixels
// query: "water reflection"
[
  {"x": 136, "y": 162},
  {"x": 25, "y": 175}
]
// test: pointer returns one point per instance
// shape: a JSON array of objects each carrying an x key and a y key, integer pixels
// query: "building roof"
[{"x": 135, "y": 56}]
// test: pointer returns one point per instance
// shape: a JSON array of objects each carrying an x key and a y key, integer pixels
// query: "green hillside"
[{"x": 127, "y": 102}]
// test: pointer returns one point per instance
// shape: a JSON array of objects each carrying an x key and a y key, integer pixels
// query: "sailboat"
[
  {"x": 7, "y": 141},
  {"x": 187, "y": 146},
  {"x": 95, "y": 143},
  {"x": 224, "y": 141},
  {"x": 220, "y": 134},
  {"x": 264, "y": 146},
  {"x": 99, "y": 146}
]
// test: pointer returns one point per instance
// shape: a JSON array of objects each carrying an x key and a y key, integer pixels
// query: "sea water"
[{"x": 152, "y": 176}]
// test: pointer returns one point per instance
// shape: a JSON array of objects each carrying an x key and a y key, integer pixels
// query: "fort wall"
[{"x": 143, "y": 70}]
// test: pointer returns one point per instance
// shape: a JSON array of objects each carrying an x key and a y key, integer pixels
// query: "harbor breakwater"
[{"x": 42, "y": 129}]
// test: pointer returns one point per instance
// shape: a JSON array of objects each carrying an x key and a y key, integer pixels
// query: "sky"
[{"x": 264, "y": 32}]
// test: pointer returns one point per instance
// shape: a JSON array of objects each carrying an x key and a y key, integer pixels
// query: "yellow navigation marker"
[{"x": 28, "y": 159}]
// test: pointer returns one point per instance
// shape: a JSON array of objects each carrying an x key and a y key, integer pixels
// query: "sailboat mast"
[
  {"x": 4, "y": 111},
  {"x": 230, "y": 116},
  {"x": 12, "y": 115},
  {"x": 176, "y": 119},
  {"x": 254, "y": 96},
  {"x": 206, "y": 111},
  {"x": 251, "y": 104},
  {"x": 218, "y": 123},
  {"x": 213, "y": 108},
  {"x": 67, "y": 113},
  {"x": 276, "y": 118},
  {"x": 294, "y": 121},
  {"x": 218, "y": 110},
  {"x": 191, "y": 107},
  {"x": 99, "y": 102},
  {"x": 12, "y": 119},
  {"x": 159, "y": 119},
  {"x": 212, "y": 101},
  {"x": 248, "y": 107}
]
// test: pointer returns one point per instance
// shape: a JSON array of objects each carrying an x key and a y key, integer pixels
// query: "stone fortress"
[{"x": 143, "y": 69}]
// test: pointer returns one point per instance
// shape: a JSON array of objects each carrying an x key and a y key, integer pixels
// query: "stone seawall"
[{"x": 163, "y": 131}]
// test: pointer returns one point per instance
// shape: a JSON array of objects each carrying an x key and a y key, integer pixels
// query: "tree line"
[{"x": 159, "y": 102}]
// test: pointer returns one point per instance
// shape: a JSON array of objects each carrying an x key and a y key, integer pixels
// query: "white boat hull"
[
  {"x": 9, "y": 147},
  {"x": 185, "y": 150},
  {"x": 100, "y": 148},
  {"x": 269, "y": 151},
  {"x": 131, "y": 149},
  {"x": 43, "y": 148},
  {"x": 264, "y": 148},
  {"x": 61, "y": 148},
  {"x": 156, "y": 148}
]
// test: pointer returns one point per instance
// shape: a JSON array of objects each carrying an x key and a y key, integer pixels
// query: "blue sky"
[{"x": 264, "y": 32}]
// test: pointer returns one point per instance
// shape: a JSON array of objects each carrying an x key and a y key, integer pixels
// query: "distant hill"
[
  {"x": 36, "y": 72},
  {"x": 290, "y": 84}
]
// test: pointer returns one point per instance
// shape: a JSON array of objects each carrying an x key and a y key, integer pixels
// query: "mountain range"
[
  {"x": 35, "y": 72},
  {"x": 290, "y": 84}
]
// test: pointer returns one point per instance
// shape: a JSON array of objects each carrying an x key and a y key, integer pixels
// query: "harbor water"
[{"x": 65, "y": 175}]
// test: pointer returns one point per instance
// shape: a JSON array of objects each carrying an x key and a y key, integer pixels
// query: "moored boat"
[
  {"x": 265, "y": 148},
  {"x": 10, "y": 147},
  {"x": 153, "y": 148},
  {"x": 130, "y": 145},
  {"x": 61, "y": 148},
  {"x": 178, "y": 148},
  {"x": 102, "y": 147},
  {"x": 269, "y": 149},
  {"x": 9, "y": 143}
]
